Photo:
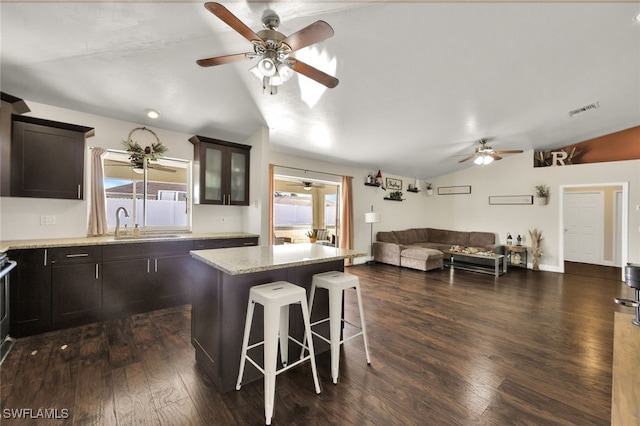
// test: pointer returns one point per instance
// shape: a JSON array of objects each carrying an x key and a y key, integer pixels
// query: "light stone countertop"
[
  {"x": 110, "y": 239},
  {"x": 246, "y": 260}
]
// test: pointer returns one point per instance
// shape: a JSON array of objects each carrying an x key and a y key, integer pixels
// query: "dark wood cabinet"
[
  {"x": 221, "y": 172},
  {"x": 144, "y": 276},
  {"x": 125, "y": 286},
  {"x": 69, "y": 286},
  {"x": 76, "y": 285},
  {"x": 47, "y": 158},
  {"x": 30, "y": 292}
]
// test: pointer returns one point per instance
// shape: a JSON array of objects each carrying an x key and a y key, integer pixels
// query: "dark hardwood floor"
[{"x": 447, "y": 348}]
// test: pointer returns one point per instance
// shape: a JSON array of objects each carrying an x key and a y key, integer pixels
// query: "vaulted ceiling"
[{"x": 420, "y": 82}]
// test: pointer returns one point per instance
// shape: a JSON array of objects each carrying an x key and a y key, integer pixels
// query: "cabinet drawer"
[
  {"x": 146, "y": 250},
  {"x": 224, "y": 243},
  {"x": 78, "y": 254}
]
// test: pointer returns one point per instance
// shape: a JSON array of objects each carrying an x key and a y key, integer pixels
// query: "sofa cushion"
[
  {"x": 481, "y": 239},
  {"x": 422, "y": 234},
  {"x": 438, "y": 236},
  {"x": 420, "y": 253},
  {"x": 408, "y": 236},
  {"x": 387, "y": 237},
  {"x": 458, "y": 238}
]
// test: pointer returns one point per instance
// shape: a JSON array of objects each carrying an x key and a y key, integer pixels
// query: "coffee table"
[{"x": 493, "y": 263}]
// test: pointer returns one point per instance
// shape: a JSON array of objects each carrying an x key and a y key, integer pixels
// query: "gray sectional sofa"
[{"x": 421, "y": 248}]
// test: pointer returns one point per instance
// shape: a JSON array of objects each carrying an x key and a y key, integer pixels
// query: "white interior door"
[{"x": 583, "y": 227}]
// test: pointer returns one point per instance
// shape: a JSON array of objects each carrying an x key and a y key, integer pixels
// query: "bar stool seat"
[
  {"x": 336, "y": 283},
  {"x": 275, "y": 298}
]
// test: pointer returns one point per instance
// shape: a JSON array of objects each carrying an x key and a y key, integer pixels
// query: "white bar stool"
[
  {"x": 336, "y": 283},
  {"x": 276, "y": 298}
]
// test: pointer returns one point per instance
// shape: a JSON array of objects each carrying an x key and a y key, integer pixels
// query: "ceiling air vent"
[{"x": 585, "y": 108}]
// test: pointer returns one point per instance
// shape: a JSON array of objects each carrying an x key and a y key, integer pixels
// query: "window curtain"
[
  {"x": 271, "y": 198},
  {"x": 98, "y": 199},
  {"x": 346, "y": 216}
]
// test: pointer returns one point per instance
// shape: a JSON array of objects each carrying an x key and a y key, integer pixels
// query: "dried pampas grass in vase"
[{"x": 536, "y": 250}]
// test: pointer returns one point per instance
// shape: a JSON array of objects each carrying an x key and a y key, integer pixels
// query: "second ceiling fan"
[
  {"x": 273, "y": 49},
  {"x": 485, "y": 154}
]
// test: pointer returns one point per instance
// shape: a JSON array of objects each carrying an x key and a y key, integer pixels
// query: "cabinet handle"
[
  {"x": 97, "y": 275},
  {"x": 248, "y": 244},
  {"x": 78, "y": 255},
  {"x": 45, "y": 257},
  {"x": 156, "y": 265},
  {"x": 186, "y": 205},
  {"x": 79, "y": 193},
  {"x": 148, "y": 266}
]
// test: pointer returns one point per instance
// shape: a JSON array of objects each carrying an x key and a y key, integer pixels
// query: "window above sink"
[{"x": 167, "y": 207}]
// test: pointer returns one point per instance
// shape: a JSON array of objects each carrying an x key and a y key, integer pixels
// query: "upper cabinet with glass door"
[{"x": 221, "y": 172}]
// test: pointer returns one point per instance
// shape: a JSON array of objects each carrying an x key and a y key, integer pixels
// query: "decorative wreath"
[{"x": 137, "y": 154}]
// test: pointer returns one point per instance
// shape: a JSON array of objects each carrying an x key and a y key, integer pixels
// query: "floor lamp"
[{"x": 371, "y": 218}]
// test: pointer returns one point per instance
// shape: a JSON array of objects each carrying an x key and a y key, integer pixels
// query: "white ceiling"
[{"x": 420, "y": 82}]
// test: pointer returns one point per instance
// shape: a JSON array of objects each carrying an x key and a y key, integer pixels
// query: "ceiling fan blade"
[
  {"x": 314, "y": 33},
  {"x": 230, "y": 19},
  {"x": 315, "y": 74},
  {"x": 468, "y": 158},
  {"x": 161, "y": 168},
  {"x": 511, "y": 151},
  {"x": 494, "y": 156},
  {"x": 221, "y": 60}
]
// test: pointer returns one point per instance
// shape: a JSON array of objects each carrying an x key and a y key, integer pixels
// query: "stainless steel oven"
[{"x": 6, "y": 342}]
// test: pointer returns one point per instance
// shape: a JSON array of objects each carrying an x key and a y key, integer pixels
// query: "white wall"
[
  {"x": 20, "y": 217},
  {"x": 513, "y": 175}
]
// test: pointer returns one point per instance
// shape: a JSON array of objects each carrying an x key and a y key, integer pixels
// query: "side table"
[{"x": 516, "y": 255}]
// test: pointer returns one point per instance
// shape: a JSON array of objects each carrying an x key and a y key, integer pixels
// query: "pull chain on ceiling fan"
[
  {"x": 485, "y": 154},
  {"x": 273, "y": 49}
]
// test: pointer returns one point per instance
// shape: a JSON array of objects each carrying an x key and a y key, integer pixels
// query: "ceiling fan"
[
  {"x": 485, "y": 154},
  {"x": 159, "y": 167},
  {"x": 273, "y": 49},
  {"x": 307, "y": 186}
]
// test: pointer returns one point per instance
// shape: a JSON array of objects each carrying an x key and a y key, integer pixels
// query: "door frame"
[{"x": 623, "y": 217}]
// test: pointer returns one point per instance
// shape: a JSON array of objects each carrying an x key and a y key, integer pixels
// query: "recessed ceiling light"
[
  {"x": 153, "y": 114},
  {"x": 637, "y": 17}
]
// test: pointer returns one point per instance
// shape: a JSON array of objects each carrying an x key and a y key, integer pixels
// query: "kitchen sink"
[{"x": 147, "y": 237}]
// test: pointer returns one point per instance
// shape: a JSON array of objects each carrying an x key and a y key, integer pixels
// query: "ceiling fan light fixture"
[
  {"x": 267, "y": 67},
  {"x": 483, "y": 160},
  {"x": 307, "y": 188}
]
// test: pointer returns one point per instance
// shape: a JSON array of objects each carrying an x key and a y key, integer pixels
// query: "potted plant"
[
  {"x": 313, "y": 235},
  {"x": 542, "y": 193},
  {"x": 429, "y": 188}
]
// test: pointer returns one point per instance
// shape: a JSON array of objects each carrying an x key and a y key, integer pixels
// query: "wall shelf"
[
  {"x": 392, "y": 199},
  {"x": 372, "y": 184}
]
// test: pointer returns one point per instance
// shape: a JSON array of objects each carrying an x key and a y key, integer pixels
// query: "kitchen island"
[{"x": 220, "y": 291}]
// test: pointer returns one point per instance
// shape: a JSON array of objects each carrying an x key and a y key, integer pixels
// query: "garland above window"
[{"x": 137, "y": 154}]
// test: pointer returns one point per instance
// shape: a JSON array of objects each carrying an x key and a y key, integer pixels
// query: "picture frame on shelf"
[{"x": 393, "y": 184}]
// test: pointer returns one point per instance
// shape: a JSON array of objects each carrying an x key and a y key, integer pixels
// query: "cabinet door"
[
  {"x": 238, "y": 177},
  {"x": 126, "y": 286},
  {"x": 212, "y": 182},
  {"x": 76, "y": 293},
  {"x": 47, "y": 162},
  {"x": 30, "y": 292},
  {"x": 170, "y": 281}
]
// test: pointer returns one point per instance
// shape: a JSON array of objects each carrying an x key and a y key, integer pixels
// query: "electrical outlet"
[
  {"x": 47, "y": 220},
  {"x": 225, "y": 219}
]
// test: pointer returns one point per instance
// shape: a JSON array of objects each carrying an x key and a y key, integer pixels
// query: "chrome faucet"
[{"x": 126, "y": 214}]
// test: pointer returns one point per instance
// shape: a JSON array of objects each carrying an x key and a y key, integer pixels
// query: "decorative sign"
[
  {"x": 619, "y": 146},
  {"x": 510, "y": 199},
  {"x": 450, "y": 190}
]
